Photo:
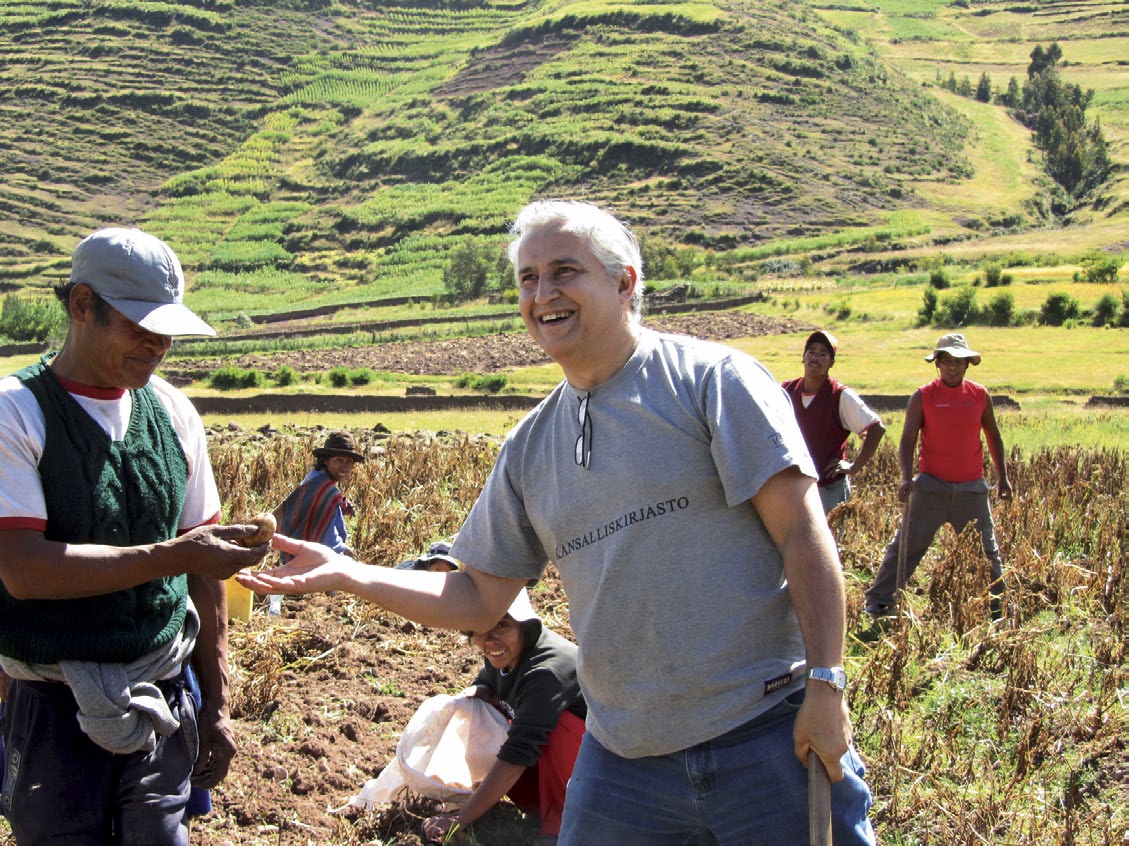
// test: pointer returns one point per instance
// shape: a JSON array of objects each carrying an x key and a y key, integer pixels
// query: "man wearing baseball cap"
[
  {"x": 111, "y": 566},
  {"x": 828, "y": 412},
  {"x": 948, "y": 414}
]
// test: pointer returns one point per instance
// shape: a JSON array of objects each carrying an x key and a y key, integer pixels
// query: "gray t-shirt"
[{"x": 676, "y": 591}]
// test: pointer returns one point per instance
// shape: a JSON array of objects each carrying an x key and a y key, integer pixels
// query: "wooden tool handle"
[{"x": 819, "y": 802}]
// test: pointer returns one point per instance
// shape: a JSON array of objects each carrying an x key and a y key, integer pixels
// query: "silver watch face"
[{"x": 834, "y": 676}]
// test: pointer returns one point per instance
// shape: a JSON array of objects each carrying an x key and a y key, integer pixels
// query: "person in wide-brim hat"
[
  {"x": 954, "y": 344},
  {"x": 436, "y": 560},
  {"x": 339, "y": 444},
  {"x": 948, "y": 422},
  {"x": 316, "y": 509}
]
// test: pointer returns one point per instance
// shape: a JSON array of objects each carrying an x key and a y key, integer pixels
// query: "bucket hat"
[
  {"x": 140, "y": 276},
  {"x": 437, "y": 555},
  {"x": 339, "y": 443},
  {"x": 955, "y": 345}
]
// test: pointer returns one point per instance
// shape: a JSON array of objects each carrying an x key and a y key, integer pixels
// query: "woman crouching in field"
[{"x": 529, "y": 673}]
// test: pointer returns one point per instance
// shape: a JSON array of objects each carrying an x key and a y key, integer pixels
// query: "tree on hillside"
[
  {"x": 1042, "y": 59},
  {"x": 464, "y": 277},
  {"x": 1012, "y": 97},
  {"x": 1077, "y": 155},
  {"x": 984, "y": 88}
]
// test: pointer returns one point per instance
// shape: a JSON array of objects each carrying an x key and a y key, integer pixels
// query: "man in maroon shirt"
[{"x": 828, "y": 412}]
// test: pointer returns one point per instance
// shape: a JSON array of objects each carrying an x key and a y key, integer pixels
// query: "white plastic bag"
[{"x": 447, "y": 748}]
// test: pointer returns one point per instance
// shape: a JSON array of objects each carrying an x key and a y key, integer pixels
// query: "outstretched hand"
[{"x": 314, "y": 568}]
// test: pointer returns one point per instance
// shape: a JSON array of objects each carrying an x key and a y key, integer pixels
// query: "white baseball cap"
[
  {"x": 140, "y": 276},
  {"x": 521, "y": 609}
]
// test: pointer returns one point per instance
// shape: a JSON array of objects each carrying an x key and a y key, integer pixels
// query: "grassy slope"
[
  {"x": 929, "y": 40},
  {"x": 300, "y": 157},
  {"x": 336, "y": 155}
]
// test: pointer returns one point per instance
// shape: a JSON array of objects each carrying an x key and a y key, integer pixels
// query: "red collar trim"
[{"x": 82, "y": 390}]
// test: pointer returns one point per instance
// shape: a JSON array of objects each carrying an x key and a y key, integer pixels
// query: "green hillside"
[
  {"x": 334, "y": 151},
  {"x": 933, "y": 40}
]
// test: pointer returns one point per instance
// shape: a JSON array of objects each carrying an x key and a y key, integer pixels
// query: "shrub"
[
  {"x": 26, "y": 319},
  {"x": 1058, "y": 308},
  {"x": 491, "y": 383},
  {"x": 1100, "y": 268},
  {"x": 339, "y": 377},
  {"x": 361, "y": 376},
  {"x": 928, "y": 306},
  {"x": 285, "y": 375},
  {"x": 229, "y": 378},
  {"x": 994, "y": 275},
  {"x": 1121, "y": 384},
  {"x": 957, "y": 310},
  {"x": 938, "y": 278},
  {"x": 1105, "y": 311},
  {"x": 1000, "y": 311}
]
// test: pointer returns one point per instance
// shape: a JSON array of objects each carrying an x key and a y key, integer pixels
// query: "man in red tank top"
[
  {"x": 828, "y": 412},
  {"x": 949, "y": 414}
]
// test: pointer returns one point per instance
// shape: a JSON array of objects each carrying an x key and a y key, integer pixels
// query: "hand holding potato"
[{"x": 265, "y": 526}]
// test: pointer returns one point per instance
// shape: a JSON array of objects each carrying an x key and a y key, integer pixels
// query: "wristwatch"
[{"x": 834, "y": 676}]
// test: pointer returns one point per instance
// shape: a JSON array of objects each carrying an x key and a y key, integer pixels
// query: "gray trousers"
[
  {"x": 933, "y": 503},
  {"x": 834, "y": 493}
]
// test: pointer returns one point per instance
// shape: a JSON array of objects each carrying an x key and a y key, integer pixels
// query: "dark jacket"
[{"x": 539, "y": 689}]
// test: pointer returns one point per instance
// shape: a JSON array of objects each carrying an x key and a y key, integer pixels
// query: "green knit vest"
[{"x": 122, "y": 493}]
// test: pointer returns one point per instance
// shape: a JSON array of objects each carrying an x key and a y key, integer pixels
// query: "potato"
[{"x": 264, "y": 529}]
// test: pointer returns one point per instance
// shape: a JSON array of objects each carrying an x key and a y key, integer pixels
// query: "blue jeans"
[
  {"x": 744, "y": 787},
  {"x": 62, "y": 790}
]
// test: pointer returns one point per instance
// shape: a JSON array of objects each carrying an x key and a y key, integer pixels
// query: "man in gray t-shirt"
[{"x": 668, "y": 481}]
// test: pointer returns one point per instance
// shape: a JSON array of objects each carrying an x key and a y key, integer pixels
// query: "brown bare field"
[{"x": 973, "y": 733}]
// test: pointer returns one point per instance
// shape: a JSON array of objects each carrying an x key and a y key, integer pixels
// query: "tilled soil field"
[
  {"x": 322, "y": 693},
  {"x": 488, "y": 353}
]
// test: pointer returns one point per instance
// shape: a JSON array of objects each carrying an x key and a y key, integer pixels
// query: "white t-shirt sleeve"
[
  {"x": 855, "y": 414},
  {"x": 21, "y": 444}
]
